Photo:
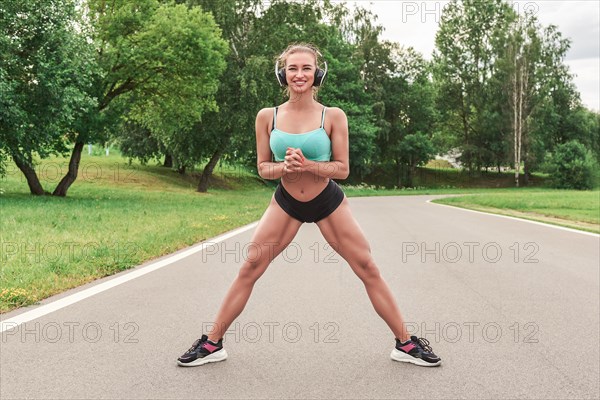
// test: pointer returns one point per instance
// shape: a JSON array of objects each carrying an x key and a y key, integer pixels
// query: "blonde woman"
[{"x": 310, "y": 145}]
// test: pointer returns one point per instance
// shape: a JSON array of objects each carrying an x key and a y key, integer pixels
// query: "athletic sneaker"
[
  {"x": 203, "y": 351},
  {"x": 416, "y": 351}
]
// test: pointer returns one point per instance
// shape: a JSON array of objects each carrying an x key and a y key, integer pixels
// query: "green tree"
[
  {"x": 46, "y": 69},
  {"x": 154, "y": 59},
  {"x": 188, "y": 53},
  {"x": 136, "y": 141},
  {"x": 571, "y": 166},
  {"x": 228, "y": 133},
  {"x": 409, "y": 112},
  {"x": 414, "y": 150},
  {"x": 586, "y": 127},
  {"x": 469, "y": 40},
  {"x": 362, "y": 63},
  {"x": 541, "y": 96}
]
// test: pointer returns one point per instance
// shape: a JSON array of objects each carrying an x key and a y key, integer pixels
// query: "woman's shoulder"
[
  {"x": 336, "y": 112},
  {"x": 265, "y": 113},
  {"x": 266, "y": 110}
]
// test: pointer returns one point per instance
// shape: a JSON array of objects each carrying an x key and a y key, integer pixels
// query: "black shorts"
[{"x": 313, "y": 210}]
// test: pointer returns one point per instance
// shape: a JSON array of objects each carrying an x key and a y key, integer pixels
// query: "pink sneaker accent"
[
  {"x": 210, "y": 347},
  {"x": 408, "y": 347}
]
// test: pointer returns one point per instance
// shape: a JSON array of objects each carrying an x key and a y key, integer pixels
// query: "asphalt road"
[{"x": 511, "y": 307}]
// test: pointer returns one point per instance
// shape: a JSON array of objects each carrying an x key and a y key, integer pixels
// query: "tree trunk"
[
  {"x": 168, "y": 163},
  {"x": 35, "y": 187},
  {"x": 69, "y": 178},
  {"x": 524, "y": 131},
  {"x": 181, "y": 169},
  {"x": 410, "y": 177},
  {"x": 208, "y": 170},
  {"x": 515, "y": 121},
  {"x": 467, "y": 154},
  {"x": 520, "y": 117}
]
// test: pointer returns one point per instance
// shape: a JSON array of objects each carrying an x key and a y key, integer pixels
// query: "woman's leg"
[
  {"x": 275, "y": 230},
  {"x": 343, "y": 233}
]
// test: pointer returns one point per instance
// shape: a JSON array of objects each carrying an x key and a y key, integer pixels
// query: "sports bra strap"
[{"x": 274, "y": 119}]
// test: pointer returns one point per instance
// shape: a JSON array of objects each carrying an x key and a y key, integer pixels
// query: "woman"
[{"x": 306, "y": 193}]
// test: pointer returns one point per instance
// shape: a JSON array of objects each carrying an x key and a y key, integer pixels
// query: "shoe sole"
[
  {"x": 214, "y": 357},
  {"x": 398, "y": 355}
]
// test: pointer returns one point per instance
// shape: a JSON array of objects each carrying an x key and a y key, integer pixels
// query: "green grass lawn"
[
  {"x": 570, "y": 208},
  {"x": 113, "y": 218},
  {"x": 117, "y": 216}
]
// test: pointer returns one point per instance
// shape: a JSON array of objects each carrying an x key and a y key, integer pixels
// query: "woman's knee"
[
  {"x": 257, "y": 262},
  {"x": 367, "y": 270},
  {"x": 251, "y": 270}
]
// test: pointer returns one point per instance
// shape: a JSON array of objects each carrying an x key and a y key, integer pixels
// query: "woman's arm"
[
  {"x": 266, "y": 168},
  {"x": 339, "y": 168}
]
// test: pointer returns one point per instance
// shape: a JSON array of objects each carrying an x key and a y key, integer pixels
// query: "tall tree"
[
  {"x": 71, "y": 79},
  {"x": 522, "y": 54},
  {"x": 468, "y": 42},
  {"x": 154, "y": 57},
  {"x": 46, "y": 69},
  {"x": 537, "y": 81},
  {"x": 409, "y": 111},
  {"x": 226, "y": 133}
]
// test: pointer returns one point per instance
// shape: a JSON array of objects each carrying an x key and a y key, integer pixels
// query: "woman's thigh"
[
  {"x": 274, "y": 232},
  {"x": 343, "y": 233}
]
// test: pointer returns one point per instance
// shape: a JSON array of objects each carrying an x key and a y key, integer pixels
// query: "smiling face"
[{"x": 300, "y": 71}]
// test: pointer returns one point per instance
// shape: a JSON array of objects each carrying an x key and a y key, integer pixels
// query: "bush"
[{"x": 571, "y": 166}]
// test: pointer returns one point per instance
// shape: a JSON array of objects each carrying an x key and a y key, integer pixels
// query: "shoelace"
[
  {"x": 424, "y": 343},
  {"x": 196, "y": 344}
]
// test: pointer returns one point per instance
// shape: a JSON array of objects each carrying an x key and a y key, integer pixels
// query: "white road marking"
[
  {"x": 84, "y": 294},
  {"x": 518, "y": 219}
]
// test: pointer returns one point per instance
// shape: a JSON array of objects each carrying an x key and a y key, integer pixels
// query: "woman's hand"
[{"x": 294, "y": 161}]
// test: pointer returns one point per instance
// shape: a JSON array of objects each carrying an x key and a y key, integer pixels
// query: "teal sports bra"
[{"x": 315, "y": 145}]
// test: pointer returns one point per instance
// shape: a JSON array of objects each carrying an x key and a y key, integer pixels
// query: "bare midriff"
[{"x": 304, "y": 186}]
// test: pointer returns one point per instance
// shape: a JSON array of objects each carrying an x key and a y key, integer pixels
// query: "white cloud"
[
  {"x": 586, "y": 79},
  {"x": 576, "y": 20}
]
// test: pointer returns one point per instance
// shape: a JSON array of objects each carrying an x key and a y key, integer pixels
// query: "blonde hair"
[{"x": 299, "y": 48}]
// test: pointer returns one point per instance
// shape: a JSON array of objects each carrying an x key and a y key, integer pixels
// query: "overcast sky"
[{"x": 414, "y": 23}]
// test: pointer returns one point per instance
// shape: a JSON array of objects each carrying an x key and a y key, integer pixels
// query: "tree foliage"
[
  {"x": 571, "y": 166},
  {"x": 184, "y": 80},
  {"x": 504, "y": 92},
  {"x": 46, "y": 71}
]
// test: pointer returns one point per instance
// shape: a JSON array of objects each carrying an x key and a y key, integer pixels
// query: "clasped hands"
[{"x": 295, "y": 161}]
